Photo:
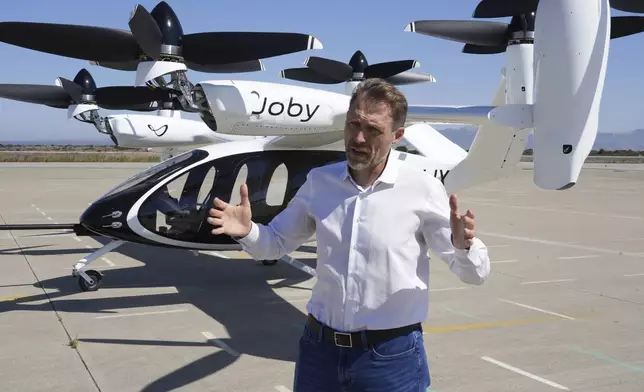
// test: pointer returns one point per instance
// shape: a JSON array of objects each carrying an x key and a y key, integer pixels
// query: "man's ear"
[{"x": 400, "y": 132}]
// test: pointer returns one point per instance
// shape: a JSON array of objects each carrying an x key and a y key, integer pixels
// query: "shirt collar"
[{"x": 388, "y": 175}]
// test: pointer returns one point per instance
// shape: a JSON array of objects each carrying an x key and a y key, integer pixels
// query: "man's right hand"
[{"x": 234, "y": 221}]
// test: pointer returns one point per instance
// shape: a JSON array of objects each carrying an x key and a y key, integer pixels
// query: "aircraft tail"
[{"x": 494, "y": 154}]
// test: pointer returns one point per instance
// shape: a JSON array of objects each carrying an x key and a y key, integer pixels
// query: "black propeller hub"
[
  {"x": 85, "y": 80},
  {"x": 168, "y": 23},
  {"x": 358, "y": 62},
  {"x": 87, "y": 86}
]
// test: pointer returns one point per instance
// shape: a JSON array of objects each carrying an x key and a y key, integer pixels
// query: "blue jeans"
[{"x": 396, "y": 365}]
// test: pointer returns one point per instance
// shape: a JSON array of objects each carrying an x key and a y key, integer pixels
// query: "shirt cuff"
[
  {"x": 466, "y": 254},
  {"x": 251, "y": 237}
]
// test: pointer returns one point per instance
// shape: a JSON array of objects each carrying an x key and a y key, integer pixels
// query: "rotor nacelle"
[
  {"x": 572, "y": 39},
  {"x": 262, "y": 108}
]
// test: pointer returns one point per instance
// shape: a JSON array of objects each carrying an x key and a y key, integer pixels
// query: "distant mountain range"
[
  {"x": 633, "y": 140},
  {"x": 463, "y": 136}
]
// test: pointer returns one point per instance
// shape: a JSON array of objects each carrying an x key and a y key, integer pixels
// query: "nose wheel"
[
  {"x": 94, "y": 282},
  {"x": 269, "y": 262},
  {"x": 90, "y": 280}
]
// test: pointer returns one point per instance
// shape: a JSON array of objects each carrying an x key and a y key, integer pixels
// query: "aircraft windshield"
[
  {"x": 178, "y": 209},
  {"x": 175, "y": 163}
]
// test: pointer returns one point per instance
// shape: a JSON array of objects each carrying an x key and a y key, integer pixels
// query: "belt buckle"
[{"x": 335, "y": 338}]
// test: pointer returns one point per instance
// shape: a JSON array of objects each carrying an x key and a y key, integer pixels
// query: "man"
[{"x": 375, "y": 220}]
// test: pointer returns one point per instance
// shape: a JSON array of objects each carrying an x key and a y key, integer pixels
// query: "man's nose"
[{"x": 359, "y": 137}]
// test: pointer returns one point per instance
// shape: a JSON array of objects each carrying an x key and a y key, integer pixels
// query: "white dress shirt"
[{"x": 372, "y": 244}]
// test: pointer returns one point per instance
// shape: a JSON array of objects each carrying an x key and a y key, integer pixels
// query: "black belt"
[{"x": 357, "y": 339}]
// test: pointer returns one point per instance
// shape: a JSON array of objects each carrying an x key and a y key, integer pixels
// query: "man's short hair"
[{"x": 379, "y": 90}]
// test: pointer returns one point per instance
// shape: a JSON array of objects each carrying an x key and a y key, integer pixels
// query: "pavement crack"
[
  {"x": 73, "y": 343},
  {"x": 509, "y": 275},
  {"x": 602, "y": 295}
]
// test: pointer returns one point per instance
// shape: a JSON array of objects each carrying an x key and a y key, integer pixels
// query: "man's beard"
[
  {"x": 357, "y": 161},
  {"x": 357, "y": 165}
]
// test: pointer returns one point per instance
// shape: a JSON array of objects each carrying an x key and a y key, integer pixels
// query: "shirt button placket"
[{"x": 350, "y": 288}]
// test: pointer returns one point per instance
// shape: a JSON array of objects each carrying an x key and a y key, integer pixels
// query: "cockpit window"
[
  {"x": 178, "y": 209},
  {"x": 169, "y": 166}
]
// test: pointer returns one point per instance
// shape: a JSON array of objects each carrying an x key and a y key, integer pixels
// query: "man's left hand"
[{"x": 462, "y": 225}]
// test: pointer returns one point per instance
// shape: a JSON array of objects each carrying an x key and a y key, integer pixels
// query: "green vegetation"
[
  {"x": 73, "y": 153},
  {"x": 68, "y": 148},
  {"x": 77, "y": 157}
]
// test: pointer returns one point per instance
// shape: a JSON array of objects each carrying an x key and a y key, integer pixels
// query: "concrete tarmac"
[{"x": 562, "y": 310}]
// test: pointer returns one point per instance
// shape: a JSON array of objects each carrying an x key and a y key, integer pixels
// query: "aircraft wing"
[{"x": 473, "y": 115}]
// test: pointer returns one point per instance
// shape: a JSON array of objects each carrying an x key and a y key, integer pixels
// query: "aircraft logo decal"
[
  {"x": 567, "y": 148},
  {"x": 293, "y": 109},
  {"x": 159, "y": 131},
  {"x": 441, "y": 175}
]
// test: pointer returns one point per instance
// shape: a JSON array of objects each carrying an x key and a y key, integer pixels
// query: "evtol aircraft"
[{"x": 551, "y": 85}]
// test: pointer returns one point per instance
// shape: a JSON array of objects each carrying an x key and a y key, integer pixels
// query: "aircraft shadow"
[
  {"x": 29, "y": 251},
  {"x": 233, "y": 292}
]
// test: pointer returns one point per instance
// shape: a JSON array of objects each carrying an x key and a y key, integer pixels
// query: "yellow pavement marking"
[{"x": 11, "y": 298}]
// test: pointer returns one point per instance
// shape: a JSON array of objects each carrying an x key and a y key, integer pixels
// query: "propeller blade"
[
  {"x": 234, "y": 47},
  {"x": 390, "y": 68},
  {"x": 635, "y": 6},
  {"x": 503, "y": 8},
  {"x": 80, "y": 42},
  {"x": 124, "y": 96},
  {"x": 74, "y": 90},
  {"x": 146, "y": 32},
  {"x": 33, "y": 93},
  {"x": 409, "y": 77},
  {"x": 332, "y": 69},
  {"x": 466, "y": 31},
  {"x": 308, "y": 75},
  {"x": 622, "y": 26},
  {"x": 481, "y": 49},
  {"x": 121, "y": 66},
  {"x": 140, "y": 107},
  {"x": 244, "y": 66}
]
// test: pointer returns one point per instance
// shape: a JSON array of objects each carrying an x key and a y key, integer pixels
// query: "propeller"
[
  {"x": 83, "y": 90},
  {"x": 487, "y": 37},
  {"x": 327, "y": 71},
  {"x": 156, "y": 35},
  {"x": 506, "y": 8}
]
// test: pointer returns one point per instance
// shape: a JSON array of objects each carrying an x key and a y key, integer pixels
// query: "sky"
[{"x": 376, "y": 28}]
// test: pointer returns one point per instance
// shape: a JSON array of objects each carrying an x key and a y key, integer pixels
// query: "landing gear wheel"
[
  {"x": 269, "y": 262},
  {"x": 96, "y": 277}
]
